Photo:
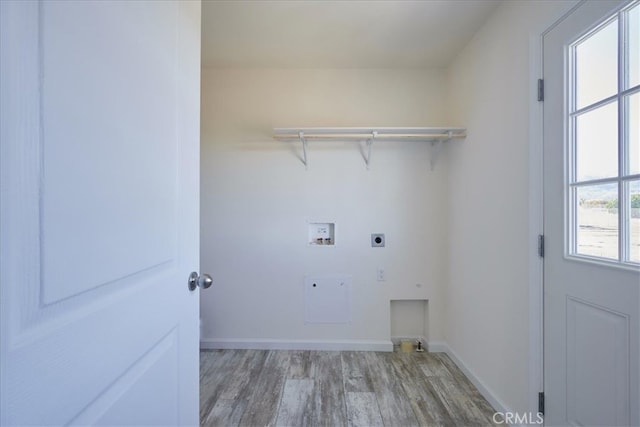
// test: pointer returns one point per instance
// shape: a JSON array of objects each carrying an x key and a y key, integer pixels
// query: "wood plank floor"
[{"x": 321, "y": 388}]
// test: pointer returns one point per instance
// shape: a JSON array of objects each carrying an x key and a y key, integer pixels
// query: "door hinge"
[
  {"x": 541, "y": 402},
  {"x": 541, "y": 245},
  {"x": 540, "y": 90}
]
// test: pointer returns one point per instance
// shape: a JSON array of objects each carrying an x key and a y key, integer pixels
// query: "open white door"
[
  {"x": 591, "y": 220},
  {"x": 100, "y": 192}
]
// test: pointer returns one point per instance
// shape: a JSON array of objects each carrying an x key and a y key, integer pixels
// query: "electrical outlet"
[
  {"x": 382, "y": 275},
  {"x": 377, "y": 240}
]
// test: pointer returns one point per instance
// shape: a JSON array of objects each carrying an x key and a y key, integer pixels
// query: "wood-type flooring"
[{"x": 323, "y": 388}]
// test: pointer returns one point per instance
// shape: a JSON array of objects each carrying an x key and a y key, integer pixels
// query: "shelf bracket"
[
  {"x": 367, "y": 158},
  {"x": 303, "y": 140},
  {"x": 436, "y": 147}
]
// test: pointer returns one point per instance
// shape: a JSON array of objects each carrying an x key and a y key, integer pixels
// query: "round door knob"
[{"x": 203, "y": 281}]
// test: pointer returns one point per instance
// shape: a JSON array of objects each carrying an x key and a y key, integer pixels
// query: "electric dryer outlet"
[{"x": 377, "y": 240}]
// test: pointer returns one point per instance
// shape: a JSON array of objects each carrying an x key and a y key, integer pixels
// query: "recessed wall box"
[{"x": 322, "y": 234}]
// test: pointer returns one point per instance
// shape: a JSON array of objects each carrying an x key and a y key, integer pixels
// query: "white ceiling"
[{"x": 338, "y": 33}]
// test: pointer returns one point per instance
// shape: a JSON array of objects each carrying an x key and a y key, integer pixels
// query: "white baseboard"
[
  {"x": 274, "y": 344},
  {"x": 437, "y": 347},
  {"x": 488, "y": 394}
]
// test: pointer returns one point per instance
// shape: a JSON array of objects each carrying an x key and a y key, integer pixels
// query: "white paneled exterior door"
[
  {"x": 592, "y": 247},
  {"x": 100, "y": 193}
]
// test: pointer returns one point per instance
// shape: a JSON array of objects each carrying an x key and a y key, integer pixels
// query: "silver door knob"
[{"x": 202, "y": 281}]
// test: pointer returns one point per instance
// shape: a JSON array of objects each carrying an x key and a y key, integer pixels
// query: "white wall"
[
  {"x": 257, "y": 196},
  {"x": 461, "y": 231},
  {"x": 488, "y": 302}
]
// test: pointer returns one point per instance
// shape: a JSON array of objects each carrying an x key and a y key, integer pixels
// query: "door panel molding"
[
  {"x": 161, "y": 355},
  {"x": 608, "y": 366},
  {"x": 99, "y": 177}
]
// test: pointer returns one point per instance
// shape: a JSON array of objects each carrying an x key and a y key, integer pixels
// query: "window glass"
[
  {"x": 597, "y": 66},
  {"x": 634, "y": 221},
  {"x": 597, "y": 143},
  {"x": 634, "y": 46},
  {"x": 603, "y": 188},
  {"x": 633, "y": 127},
  {"x": 597, "y": 217}
]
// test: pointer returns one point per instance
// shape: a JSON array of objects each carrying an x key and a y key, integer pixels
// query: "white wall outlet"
[{"x": 381, "y": 274}]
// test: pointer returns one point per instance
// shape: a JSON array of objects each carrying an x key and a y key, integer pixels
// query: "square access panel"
[{"x": 327, "y": 298}]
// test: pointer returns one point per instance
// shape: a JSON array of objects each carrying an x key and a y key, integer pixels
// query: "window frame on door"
[{"x": 624, "y": 175}]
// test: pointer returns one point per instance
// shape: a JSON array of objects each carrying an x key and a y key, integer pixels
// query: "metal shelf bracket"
[
  {"x": 304, "y": 149},
  {"x": 436, "y": 148},
  {"x": 367, "y": 158}
]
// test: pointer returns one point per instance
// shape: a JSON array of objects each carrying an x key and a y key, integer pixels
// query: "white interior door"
[
  {"x": 591, "y": 217},
  {"x": 100, "y": 193}
]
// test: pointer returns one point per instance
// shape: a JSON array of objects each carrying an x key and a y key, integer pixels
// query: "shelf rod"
[
  {"x": 420, "y": 137},
  {"x": 367, "y": 131}
]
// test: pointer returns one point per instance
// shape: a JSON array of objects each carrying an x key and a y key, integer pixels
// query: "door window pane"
[
  {"x": 597, "y": 217},
  {"x": 634, "y": 46},
  {"x": 604, "y": 142},
  {"x": 597, "y": 143},
  {"x": 597, "y": 66},
  {"x": 633, "y": 124},
  {"x": 634, "y": 221}
]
